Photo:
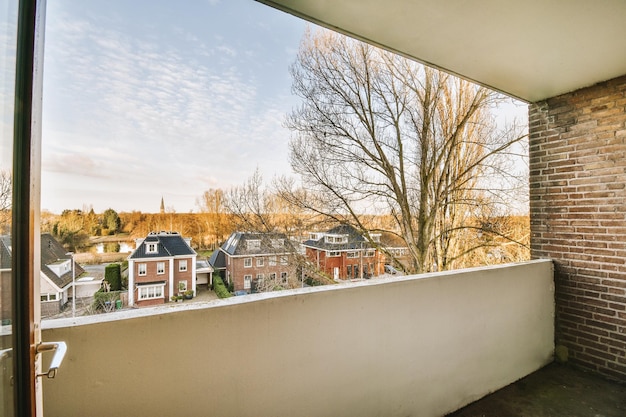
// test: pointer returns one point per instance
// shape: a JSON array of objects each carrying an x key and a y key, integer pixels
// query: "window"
[
  {"x": 283, "y": 277},
  {"x": 272, "y": 261},
  {"x": 399, "y": 252},
  {"x": 48, "y": 297},
  {"x": 349, "y": 274},
  {"x": 260, "y": 261},
  {"x": 353, "y": 254},
  {"x": 142, "y": 269},
  {"x": 278, "y": 243},
  {"x": 182, "y": 265},
  {"x": 259, "y": 277},
  {"x": 151, "y": 248},
  {"x": 253, "y": 244},
  {"x": 148, "y": 292},
  {"x": 333, "y": 254},
  {"x": 336, "y": 239},
  {"x": 273, "y": 276},
  {"x": 160, "y": 268},
  {"x": 370, "y": 253},
  {"x": 247, "y": 263},
  {"x": 284, "y": 260},
  {"x": 247, "y": 282},
  {"x": 182, "y": 286}
]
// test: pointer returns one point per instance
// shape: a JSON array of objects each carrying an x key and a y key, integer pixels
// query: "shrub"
[
  {"x": 105, "y": 301},
  {"x": 113, "y": 276},
  {"x": 220, "y": 289}
]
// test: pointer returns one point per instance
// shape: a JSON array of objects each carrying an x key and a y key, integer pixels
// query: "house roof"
[
  {"x": 218, "y": 260},
  {"x": 5, "y": 252},
  {"x": 168, "y": 244},
  {"x": 240, "y": 244},
  {"x": 53, "y": 252},
  {"x": 530, "y": 49},
  {"x": 355, "y": 239}
]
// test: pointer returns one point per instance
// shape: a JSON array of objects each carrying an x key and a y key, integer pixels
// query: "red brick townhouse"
[
  {"x": 162, "y": 265},
  {"x": 343, "y": 253},
  {"x": 256, "y": 262}
]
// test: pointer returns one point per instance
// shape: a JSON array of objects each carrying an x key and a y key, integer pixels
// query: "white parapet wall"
[{"x": 420, "y": 346}]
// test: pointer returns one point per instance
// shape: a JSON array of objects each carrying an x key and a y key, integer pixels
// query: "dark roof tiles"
[{"x": 168, "y": 244}]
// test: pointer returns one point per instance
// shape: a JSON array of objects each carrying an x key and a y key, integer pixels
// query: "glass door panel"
[{"x": 8, "y": 41}]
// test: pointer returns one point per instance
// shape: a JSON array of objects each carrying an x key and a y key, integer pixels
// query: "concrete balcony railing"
[{"x": 419, "y": 345}]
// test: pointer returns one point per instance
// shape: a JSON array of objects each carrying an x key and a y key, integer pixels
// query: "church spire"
[{"x": 162, "y": 205}]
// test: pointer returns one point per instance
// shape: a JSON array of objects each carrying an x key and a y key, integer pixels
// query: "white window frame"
[
  {"x": 336, "y": 239},
  {"x": 272, "y": 261},
  {"x": 260, "y": 261},
  {"x": 333, "y": 254},
  {"x": 150, "y": 292},
  {"x": 182, "y": 265},
  {"x": 152, "y": 247},
  {"x": 260, "y": 276},
  {"x": 284, "y": 260},
  {"x": 160, "y": 268},
  {"x": 352, "y": 254},
  {"x": 247, "y": 282},
  {"x": 273, "y": 276},
  {"x": 182, "y": 285},
  {"x": 370, "y": 253},
  {"x": 247, "y": 263},
  {"x": 142, "y": 269},
  {"x": 49, "y": 297},
  {"x": 278, "y": 243},
  {"x": 283, "y": 277}
]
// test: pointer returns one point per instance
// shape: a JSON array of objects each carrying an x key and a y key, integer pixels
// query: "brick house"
[
  {"x": 162, "y": 265},
  {"x": 255, "y": 262},
  {"x": 343, "y": 253}
]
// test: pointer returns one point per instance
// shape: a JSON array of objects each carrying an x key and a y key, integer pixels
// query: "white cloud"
[{"x": 145, "y": 115}]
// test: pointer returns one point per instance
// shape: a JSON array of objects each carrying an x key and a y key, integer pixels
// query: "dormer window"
[
  {"x": 278, "y": 243},
  {"x": 151, "y": 247},
  {"x": 253, "y": 244},
  {"x": 336, "y": 238}
]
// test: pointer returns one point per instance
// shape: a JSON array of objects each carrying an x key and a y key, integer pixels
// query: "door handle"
[
  {"x": 59, "y": 349},
  {"x": 6, "y": 353}
]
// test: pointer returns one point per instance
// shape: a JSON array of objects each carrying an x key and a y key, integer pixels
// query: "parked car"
[{"x": 390, "y": 270}]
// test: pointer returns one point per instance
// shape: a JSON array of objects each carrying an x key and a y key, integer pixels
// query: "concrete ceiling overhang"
[{"x": 529, "y": 49}]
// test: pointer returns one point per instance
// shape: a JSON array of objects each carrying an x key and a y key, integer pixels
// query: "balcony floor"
[{"x": 554, "y": 391}]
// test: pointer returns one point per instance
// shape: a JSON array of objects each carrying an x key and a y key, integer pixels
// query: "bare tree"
[
  {"x": 377, "y": 133},
  {"x": 257, "y": 207},
  {"x": 6, "y": 198}
]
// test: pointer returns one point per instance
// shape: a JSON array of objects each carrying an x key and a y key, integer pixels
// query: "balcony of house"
[{"x": 420, "y": 345}]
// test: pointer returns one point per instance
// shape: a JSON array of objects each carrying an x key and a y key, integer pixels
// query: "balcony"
[{"x": 421, "y": 345}]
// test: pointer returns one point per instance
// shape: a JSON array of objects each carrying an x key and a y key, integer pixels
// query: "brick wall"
[{"x": 578, "y": 218}]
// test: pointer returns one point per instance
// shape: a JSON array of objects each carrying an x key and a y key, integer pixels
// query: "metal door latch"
[{"x": 59, "y": 349}]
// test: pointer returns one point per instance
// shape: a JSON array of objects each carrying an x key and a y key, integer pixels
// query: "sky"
[
  {"x": 151, "y": 99},
  {"x": 144, "y": 100}
]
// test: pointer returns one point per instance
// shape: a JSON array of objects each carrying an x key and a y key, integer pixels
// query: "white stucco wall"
[{"x": 420, "y": 346}]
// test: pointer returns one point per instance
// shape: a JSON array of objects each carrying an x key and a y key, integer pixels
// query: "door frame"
[{"x": 25, "y": 204}]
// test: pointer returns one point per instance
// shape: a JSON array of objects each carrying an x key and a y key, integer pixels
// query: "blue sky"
[
  {"x": 145, "y": 99},
  {"x": 149, "y": 99}
]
